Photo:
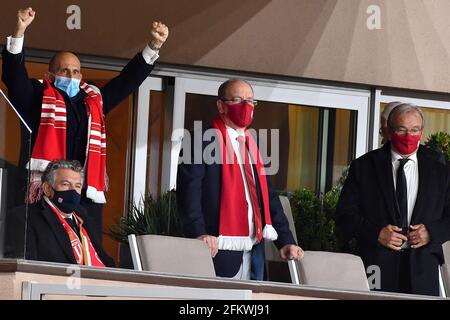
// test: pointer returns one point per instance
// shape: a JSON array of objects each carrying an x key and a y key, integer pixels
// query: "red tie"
[{"x": 251, "y": 188}]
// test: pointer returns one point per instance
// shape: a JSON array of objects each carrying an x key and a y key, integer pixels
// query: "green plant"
[
  {"x": 149, "y": 216},
  {"x": 314, "y": 217},
  {"x": 440, "y": 142}
]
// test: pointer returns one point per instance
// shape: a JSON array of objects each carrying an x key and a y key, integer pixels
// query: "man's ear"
[
  {"x": 220, "y": 106},
  {"x": 48, "y": 190},
  {"x": 49, "y": 77}
]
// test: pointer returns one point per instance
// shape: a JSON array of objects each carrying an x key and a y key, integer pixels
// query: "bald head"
[
  {"x": 232, "y": 85},
  {"x": 65, "y": 64}
]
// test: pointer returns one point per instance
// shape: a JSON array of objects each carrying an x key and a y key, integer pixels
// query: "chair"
[
  {"x": 330, "y": 270},
  {"x": 446, "y": 251},
  {"x": 277, "y": 269},
  {"x": 445, "y": 269},
  {"x": 175, "y": 255}
]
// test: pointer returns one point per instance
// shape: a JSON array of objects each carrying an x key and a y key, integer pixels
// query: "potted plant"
[
  {"x": 314, "y": 217},
  {"x": 440, "y": 142},
  {"x": 149, "y": 216}
]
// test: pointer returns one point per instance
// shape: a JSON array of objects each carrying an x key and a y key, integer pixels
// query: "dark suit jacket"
[
  {"x": 198, "y": 197},
  {"x": 26, "y": 96},
  {"x": 367, "y": 204},
  {"x": 47, "y": 240}
]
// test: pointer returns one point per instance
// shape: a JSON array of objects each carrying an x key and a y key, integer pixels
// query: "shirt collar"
[
  {"x": 233, "y": 133},
  {"x": 395, "y": 156}
]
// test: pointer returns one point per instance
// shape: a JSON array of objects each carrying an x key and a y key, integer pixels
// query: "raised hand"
[
  {"x": 159, "y": 33},
  {"x": 24, "y": 18}
]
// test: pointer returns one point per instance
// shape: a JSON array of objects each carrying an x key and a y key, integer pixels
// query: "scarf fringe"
[
  {"x": 234, "y": 243},
  {"x": 37, "y": 164},
  {"x": 34, "y": 188},
  {"x": 245, "y": 243},
  {"x": 270, "y": 233},
  {"x": 95, "y": 195}
]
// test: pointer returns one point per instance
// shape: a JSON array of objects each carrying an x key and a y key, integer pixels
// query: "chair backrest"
[
  {"x": 271, "y": 250},
  {"x": 445, "y": 269},
  {"x": 175, "y": 255},
  {"x": 446, "y": 251},
  {"x": 445, "y": 274},
  {"x": 332, "y": 270}
]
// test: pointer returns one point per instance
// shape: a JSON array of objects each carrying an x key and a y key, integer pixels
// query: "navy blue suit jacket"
[{"x": 198, "y": 198}]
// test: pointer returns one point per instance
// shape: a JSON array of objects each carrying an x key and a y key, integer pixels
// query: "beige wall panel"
[{"x": 320, "y": 39}]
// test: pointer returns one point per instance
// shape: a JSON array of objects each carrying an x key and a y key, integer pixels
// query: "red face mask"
[
  {"x": 240, "y": 113},
  {"x": 405, "y": 144}
]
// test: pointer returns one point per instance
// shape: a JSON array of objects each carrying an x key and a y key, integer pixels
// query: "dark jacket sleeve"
[
  {"x": 439, "y": 230},
  {"x": 31, "y": 244},
  {"x": 349, "y": 217},
  {"x": 279, "y": 220},
  {"x": 129, "y": 79},
  {"x": 22, "y": 91},
  {"x": 189, "y": 193}
]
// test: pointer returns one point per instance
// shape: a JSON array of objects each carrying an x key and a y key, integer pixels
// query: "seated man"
[{"x": 59, "y": 230}]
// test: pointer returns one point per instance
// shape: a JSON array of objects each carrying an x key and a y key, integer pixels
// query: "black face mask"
[{"x": 66, "y": 201}]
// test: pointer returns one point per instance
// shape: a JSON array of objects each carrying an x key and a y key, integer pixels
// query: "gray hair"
[
  {"x": 404, "y": 108},
  {"x": 388, "y": 108},
  {"x": 49, "y": 173}
]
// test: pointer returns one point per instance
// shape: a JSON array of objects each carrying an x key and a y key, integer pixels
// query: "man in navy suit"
[
  {"x": 227, "y": 203},
  {"x": 396, "y": 203}
]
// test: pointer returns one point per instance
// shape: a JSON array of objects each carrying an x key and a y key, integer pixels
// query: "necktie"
[
  {"x": 402, "y": 195},
  {"x": 73, "y": 225},
  {"x": 251, "y": 188}
]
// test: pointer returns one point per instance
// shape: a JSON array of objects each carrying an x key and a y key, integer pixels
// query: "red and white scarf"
[
  {"x": 234, "y": 229},
  {"x": 51, "y": 141},
  {"x": 83, "y": 250}
]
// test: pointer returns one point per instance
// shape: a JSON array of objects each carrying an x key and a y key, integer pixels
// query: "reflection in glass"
[{"x": 14, "y": 154}]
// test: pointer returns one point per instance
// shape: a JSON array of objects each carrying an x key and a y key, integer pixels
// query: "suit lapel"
[
  {"x": 383, "y": 167},
  {"x": 59, "y": 232}
]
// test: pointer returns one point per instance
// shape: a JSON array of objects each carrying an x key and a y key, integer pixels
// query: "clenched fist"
[
  {"x": 159, "y": 32},
  {"x": 24, "y": 18}
]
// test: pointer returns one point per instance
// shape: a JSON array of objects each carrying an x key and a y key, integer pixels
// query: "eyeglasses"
[
  {"x": 240, "y": 100},
  {"x": 403, "y": 131}
]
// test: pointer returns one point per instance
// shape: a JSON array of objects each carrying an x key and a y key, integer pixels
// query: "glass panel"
[
  {"x": 14, "y": 154},
  {"x": 118, "y": 133},
  {"x": 299, "y": 132},
  {"x": 155, "y": 142},
  {"x": 436, "y": 120},
  {"x": 342, "y": 143}
]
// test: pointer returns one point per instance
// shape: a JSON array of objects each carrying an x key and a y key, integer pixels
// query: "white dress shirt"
[
  {"x": 15, "y": 46},
  {"x": 411, "y": 169}
]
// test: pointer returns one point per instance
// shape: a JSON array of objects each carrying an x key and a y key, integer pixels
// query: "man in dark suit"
[
  {"x": 385, "y": 132},
  {"x": 59, "y": 230},
  {"x": 74, "y": 108},
  {"x": 224, "y": 198},
  {"x": 396, "y": 203}
]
